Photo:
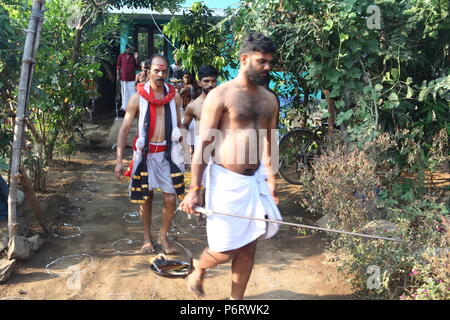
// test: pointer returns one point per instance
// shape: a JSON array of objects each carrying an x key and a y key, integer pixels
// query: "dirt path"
[{"x": 288, "y": 266}]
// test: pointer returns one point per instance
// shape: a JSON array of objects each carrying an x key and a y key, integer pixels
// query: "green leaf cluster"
[{"x": 198, "y": 41}]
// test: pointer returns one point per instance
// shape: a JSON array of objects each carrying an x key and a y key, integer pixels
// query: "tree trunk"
[
  {"x": 26, "y": 74},
  {"x": 331, "y": 111},
  {"x": 77, "y": 42},
  {"x": 305, "y": 107},
  {"x": 331, "y": 115},
  {"x": 31, "y": 197}
]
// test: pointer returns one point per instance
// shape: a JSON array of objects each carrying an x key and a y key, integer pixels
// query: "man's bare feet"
[
  {"x": 148, "y": 247},
  {"x": 194, "y": 282},
  {"x": 167, "y": 246}
]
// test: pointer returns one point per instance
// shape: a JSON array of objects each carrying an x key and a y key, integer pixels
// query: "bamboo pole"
[{"x": 26, "y": 73}]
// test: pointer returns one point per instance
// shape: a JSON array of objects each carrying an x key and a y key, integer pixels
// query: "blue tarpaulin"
[{"x": 4, "y": 190}]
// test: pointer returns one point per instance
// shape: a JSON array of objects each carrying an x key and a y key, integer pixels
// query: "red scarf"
[{"x": 154, "y": 103}]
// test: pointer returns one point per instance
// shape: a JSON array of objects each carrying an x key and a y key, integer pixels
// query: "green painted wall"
[{"x": 126, "y": 32}]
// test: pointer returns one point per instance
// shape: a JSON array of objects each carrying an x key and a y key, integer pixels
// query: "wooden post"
[
  {"x": 26, "y": 74},
  {"x": 331, "y": 112}
]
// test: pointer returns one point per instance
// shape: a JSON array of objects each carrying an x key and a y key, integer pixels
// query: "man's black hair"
[
  {"x": 256, "y": 41},
  {"x": 207, "y": 71},
  {"x": 153, "y": 56}
]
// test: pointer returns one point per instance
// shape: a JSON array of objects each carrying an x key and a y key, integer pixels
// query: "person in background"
[
  {"x": 126, "y": 74},
  {"x": 207, "y": 76},
  {"x": 142, "y": 76}
]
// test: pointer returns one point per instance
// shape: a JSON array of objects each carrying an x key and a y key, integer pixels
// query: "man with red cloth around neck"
[{"x": 156, "y": 158}]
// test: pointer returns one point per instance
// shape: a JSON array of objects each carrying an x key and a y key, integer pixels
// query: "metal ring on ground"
[
  {"x": 129, "y": 242},
  {"x": 69, "y": 210},
  {"x": 132, "y": 217},
  {"x": 124, "y": 294},
  {"x": 189, "y": 233},
  {"x": 66, "y": 257},
  {"x": 54, "y": 230}
]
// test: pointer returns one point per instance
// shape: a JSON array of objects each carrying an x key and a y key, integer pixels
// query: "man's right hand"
[
  {"x": 192, "y": 200},
  {"x": 119, "y": 170}
]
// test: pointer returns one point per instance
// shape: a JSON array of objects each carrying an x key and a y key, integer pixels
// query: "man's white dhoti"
[
  {"x": 127, "y": 89},
  {"x": 234, "y": 193}
]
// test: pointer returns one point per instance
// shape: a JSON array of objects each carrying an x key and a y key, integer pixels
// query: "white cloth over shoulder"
[{"x": 234, "y": 193}]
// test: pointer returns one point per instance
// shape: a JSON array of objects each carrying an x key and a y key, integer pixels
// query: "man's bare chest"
[{"x": 250, "y": 109}]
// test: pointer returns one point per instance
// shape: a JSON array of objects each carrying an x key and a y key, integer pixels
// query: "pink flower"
[{"x": 413, "y": 272}]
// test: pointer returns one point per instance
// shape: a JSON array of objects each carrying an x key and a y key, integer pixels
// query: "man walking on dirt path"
[
  {"x": 239, "y": 115},
  {"x": 156, "y": 163}
]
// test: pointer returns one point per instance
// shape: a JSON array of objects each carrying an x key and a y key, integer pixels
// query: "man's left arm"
[{"x": 268, "y": 157}]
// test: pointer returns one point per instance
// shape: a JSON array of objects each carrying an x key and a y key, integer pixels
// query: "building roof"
[{"x": 166, "y": 14}]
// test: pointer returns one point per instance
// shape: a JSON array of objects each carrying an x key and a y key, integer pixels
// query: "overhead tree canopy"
[{"x": 158, "y": 5}]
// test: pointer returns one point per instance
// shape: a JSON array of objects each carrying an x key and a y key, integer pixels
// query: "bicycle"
[{"x": 297, "y": 149}]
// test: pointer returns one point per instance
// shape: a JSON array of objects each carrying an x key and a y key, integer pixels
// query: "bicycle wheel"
[{"x": 297, "y": 150}]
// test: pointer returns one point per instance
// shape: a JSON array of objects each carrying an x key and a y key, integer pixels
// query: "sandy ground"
[{"x": 288, "y": 267}]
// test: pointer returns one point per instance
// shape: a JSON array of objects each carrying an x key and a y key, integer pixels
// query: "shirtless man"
[
  {"x": 207, "y": 76},
  {"x": 141, "y": 76},
  {"x": 159, "y": 173},
  {"x": 236, "y": 109}
]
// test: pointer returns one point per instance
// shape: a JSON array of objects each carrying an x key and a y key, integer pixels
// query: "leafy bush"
[
  {"x": 343, "y": 187},
  {"x": 342, "y": 183},
  {"x": 405, "y": 269}
]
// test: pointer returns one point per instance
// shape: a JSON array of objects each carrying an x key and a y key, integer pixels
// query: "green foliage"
[
  {"x": 383, "y": 79},
  {"x": 414, "y": 269},
  {"x": 342, "y": 184},
  {"x": 199, "y": 42},
  {"x": 343, "y": 187},
  {"x": 157, "y": 5},
  {"x": 11, "y": 43},
  {"x": 61, "y": 86},
  {"x": 3, "y": 165}
]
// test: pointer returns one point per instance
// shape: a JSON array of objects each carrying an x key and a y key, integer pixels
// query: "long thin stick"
[{"x": 210, "y": 212}]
